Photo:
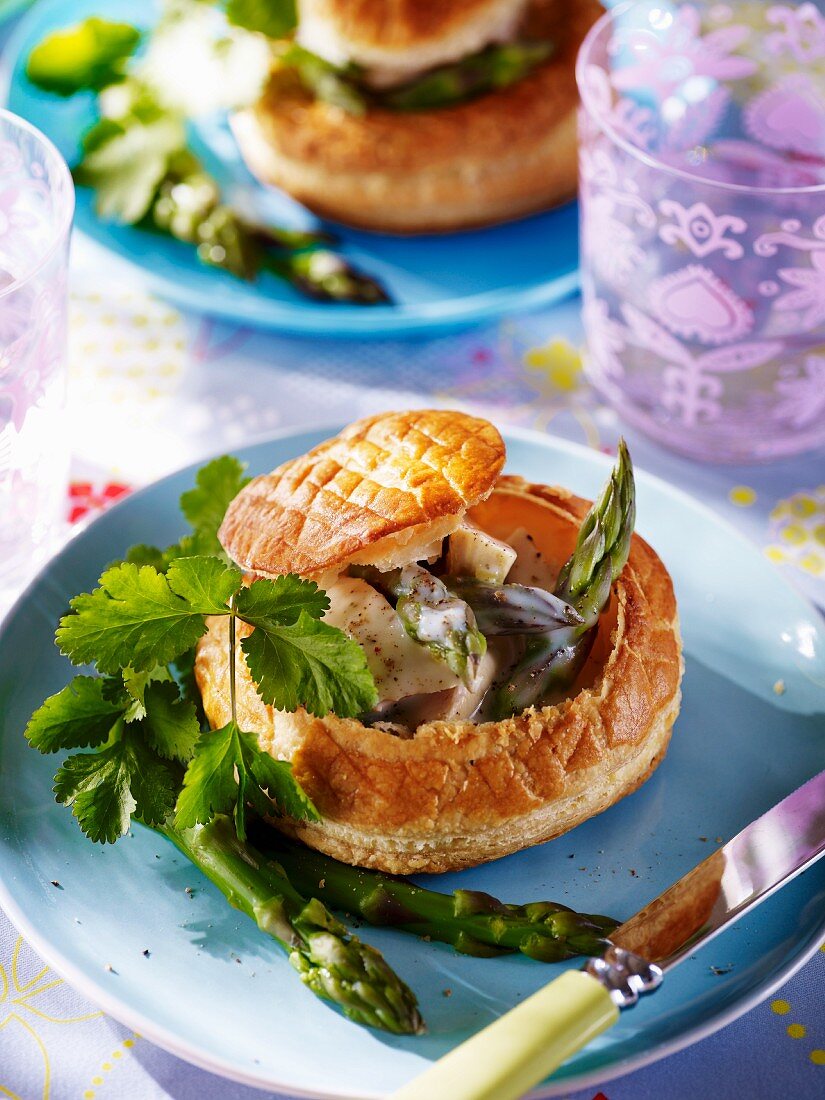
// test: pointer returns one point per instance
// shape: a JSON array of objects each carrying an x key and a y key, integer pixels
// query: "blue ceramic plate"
[
  {"x": 738, "y": 747},
  {"x": 437, "y": 282}
]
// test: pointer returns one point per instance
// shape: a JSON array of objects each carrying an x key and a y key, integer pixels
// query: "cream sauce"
[
  {"x": 530, "y": 566},
  {"x": 399, "y": 665}
]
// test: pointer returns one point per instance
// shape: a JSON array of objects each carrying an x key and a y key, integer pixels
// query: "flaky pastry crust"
[
  {"x": 380, "y": 492},
  {"x": 498, "y": 157},
  {"x": 457, "y": 794}
]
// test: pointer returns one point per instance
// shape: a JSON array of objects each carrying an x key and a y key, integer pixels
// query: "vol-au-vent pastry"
[
  {"x": 524, "y": 643},
  {"x": 418, "y": 116}
]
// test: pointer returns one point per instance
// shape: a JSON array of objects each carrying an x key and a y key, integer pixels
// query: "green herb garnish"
[
  {"x": 86, "y": 57},
  {"x": 149, "y": 759},
  {"x": 146, "y": 615},
  {"x": 138, "y": 160}
]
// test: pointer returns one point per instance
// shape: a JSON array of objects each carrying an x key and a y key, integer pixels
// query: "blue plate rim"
[
  {"x": 487, "y": 307},
  {"x": 110, "y": 1003},
  {"x": 305, "y": 319}
]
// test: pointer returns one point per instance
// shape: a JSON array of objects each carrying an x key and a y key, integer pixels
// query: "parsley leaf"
[
  {"x": 149, "y": 613},
  {"x": 276, "y": 777},
  {"x": 135, "y": 685},
  {"x": 152, "y": 784},
  {"x": 274, "y": 18},
  {"x": 281, "y": 601},
  {"x": 185, "y": 675},
  {"x": 216, "y": 486},
  {"x": 88, "y": 56},
  {"x": 79, "y": 716},
  {"x": 206, "y": 582},
  {"x": 140, "y": 618},
  {"x": 308, "y": 664},
  {"x": 171, "y": 723},
  {"x": 125, "y": 162},
  {"x": 209, "y": 785},
  {"x": 228, "y": 768},
  {"x": 297, "y": 660},
  {"x": 96, "y": 786},
  {"x": 106, "y": 787}
]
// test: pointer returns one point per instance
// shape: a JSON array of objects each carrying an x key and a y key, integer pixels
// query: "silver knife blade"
[{"x": 769, "y": 852}]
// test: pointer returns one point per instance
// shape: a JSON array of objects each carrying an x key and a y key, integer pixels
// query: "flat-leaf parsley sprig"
[
  {"x": 148, "y": 613},
  {"x": 149, "y": 758}
]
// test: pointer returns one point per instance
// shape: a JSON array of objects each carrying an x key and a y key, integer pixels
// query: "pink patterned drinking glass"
[
  {"x": 702, "y": 175},
  {"x": 36, "y": 206}
]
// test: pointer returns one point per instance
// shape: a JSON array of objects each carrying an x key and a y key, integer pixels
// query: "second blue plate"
[{"x": 437, "y": 282}]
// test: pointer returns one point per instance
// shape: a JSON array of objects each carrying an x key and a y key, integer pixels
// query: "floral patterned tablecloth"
[{"x": 152, "y": 389}]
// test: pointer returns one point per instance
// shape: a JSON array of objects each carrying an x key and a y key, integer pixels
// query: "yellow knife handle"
[{"x": 506, "y": 1059}]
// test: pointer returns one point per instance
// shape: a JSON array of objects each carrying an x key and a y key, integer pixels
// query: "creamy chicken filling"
[{"x": 440, "y": 636}]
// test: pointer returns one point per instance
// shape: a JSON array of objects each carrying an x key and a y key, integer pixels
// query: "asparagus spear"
[
  {"x": 502, "y": 609},
  {"x": 331, "y": 83},
  {"x": 492, "y": 68},
  {"x": 188, "y": 207},
  {"x": 432, "y": 616},
  {"x": 605, "y": 532},
  {"x": 497, "y": 66},
  {"x": 473, "y": 922},
  {"x": 551, "y": 662},
  {"x": 327, "y": 277},
  {"x": 331, "y": 962}
]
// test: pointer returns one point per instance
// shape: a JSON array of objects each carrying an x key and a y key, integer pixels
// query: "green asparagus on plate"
[
  {"x": 332, "y": 962},
  {"x": 475, "y": 923},
  {"x": 551, "y": 662}
]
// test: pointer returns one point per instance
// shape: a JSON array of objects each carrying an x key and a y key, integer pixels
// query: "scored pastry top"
[{"x": 382, "y": 492}]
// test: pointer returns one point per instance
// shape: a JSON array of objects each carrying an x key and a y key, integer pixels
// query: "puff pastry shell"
[{"x": 458, "y": 793}]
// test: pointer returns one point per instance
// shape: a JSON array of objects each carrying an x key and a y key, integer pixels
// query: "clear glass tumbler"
[
  {"x": 36, "y": 207},
  {"x": 702, "y": 177}
]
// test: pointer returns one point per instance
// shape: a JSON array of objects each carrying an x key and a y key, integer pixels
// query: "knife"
[{"x": 517, "y": 1051}]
